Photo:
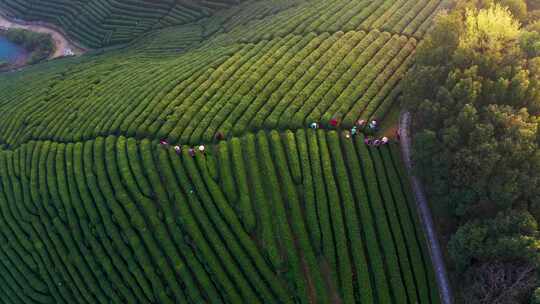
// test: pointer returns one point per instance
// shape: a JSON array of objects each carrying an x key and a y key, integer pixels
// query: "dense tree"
[
  {"x": 518, "y": 8},
  {"x": 476, "y": 100},
  {"x": 535, "y": 297},
  {"x": 39, "y": 45},
  {"x": 499, "y": 283},
  {"x": 508, "y": 236},
  {"x": 475, "y": 95},
  {"x": 498, "y": 258}
]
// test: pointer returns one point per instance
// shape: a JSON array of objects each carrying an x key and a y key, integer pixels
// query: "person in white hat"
[{"x": 373, "y": 125}]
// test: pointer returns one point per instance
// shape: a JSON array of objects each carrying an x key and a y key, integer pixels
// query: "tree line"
[{"x": 475, "y": 94}]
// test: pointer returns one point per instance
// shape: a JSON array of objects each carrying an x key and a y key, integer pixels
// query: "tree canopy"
[
  {"x": 474, "y": 92},
  {"x": 39, "y": 45}
]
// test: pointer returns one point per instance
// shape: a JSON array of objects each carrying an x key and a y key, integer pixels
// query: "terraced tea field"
[
  {"x": 93, "y": 209},
  {"x": 98, "y": 23}
]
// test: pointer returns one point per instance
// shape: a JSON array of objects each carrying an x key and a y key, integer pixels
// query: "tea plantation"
[
  {"x": 93, "y": 209},
  {"x": 97, "y": 23}
]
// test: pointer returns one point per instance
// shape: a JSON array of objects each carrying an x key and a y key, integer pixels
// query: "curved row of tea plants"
[
  {"x": 98, "y": 23},
  {"x": 122, "y": 220},
  {"x": 94, "y": 210},
  {"x": 283, "y": 83},
  {"x": 411, "y": 18}
]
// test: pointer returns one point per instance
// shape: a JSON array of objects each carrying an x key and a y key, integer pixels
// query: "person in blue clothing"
[
  {"x": 374, "y": 125},
  {"x": 354, "y": 130}
]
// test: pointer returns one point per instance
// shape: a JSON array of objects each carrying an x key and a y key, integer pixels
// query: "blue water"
[{"x": 9, "y": 51}]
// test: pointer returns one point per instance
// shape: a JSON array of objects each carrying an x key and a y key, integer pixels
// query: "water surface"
[{"x": 8, "y": 51}]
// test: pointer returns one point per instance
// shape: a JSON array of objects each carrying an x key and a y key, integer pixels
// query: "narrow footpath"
[
  {"x": 425, "y": 214},
  {"x": 63, "y": 45}
]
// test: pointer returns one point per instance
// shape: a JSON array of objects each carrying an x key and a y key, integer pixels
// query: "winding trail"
[
  {"x": 62, "y": 43},
  {"x": 425, "y": 214}
]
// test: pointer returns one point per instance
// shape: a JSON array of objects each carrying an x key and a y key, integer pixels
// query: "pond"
[{"x": 8, "y": 51}]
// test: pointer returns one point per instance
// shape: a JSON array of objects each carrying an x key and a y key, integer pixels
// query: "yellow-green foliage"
[{"x": 94, "y": 209}]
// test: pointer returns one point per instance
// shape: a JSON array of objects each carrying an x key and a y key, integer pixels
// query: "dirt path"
[
  {"x": 425, "y": 214},
  {"x": 63, "y": 45}
]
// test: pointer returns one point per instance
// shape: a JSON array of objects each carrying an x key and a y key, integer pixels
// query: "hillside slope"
[
  {"x": 98, "y": 23},
  {"x": 94, "y": 210}
]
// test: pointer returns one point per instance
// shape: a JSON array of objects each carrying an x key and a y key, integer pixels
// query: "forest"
[{"x": 475, "y": 95}]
